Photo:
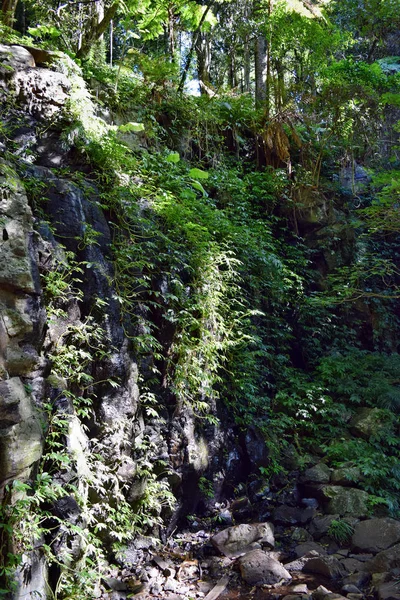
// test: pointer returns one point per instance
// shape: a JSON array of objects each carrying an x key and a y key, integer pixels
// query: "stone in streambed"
[
  {"x": 258, "y": 567},
  {"x": 290, "y": 515},
  {"x": 238, "y": 540},
  {"x": 389, "y": 590},
  {"x": 359, "y": 579},
  {"x": 350, "y": 589},
  {"x": 375, "y": 535},
  {"x": 352, "y": 565},
  {"x": 301, "y": 535},
  {"x": 385, "y": 561},
  {"x": 322, "y": 593},
  {"x": 319, "y": 525},
  {"x": 298, "y": 564},
  {"x": 328, "y": 566},
  {"x": 303, "y": 549}
]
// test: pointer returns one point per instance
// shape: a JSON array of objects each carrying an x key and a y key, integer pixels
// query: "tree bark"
[
  {"x": 246, "y": 65},
  {"x": 246, "y": 49},
  {"x": 260, "y": 69},
  {"x": 8, "y": 9},
  {"x": 171, "y": 32},
  {"x": 192, "y": 47},
  {"x": 96, "y": 31},
  {"x": 268, "y": 66},
  {"x": 203, "y": 54}
]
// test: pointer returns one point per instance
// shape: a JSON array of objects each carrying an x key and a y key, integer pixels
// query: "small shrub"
[{"x": 340, "y": 531}]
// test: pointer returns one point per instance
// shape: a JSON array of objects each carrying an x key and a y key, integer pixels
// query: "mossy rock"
[
  {"x": 346, "y": 501},
  {"x": 369, "y": 422}
]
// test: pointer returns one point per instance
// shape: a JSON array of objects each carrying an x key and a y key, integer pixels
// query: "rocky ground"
[{"x": 254, "y": 561}]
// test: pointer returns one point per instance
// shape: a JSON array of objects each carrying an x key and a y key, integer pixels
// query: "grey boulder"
[
  {"x": 375, "y": 535},
  {"x": 239, "y": 539},
  {"x": 258, "y": 567}
]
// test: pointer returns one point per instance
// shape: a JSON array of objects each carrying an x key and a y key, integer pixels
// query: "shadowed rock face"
[
  {"x": 375, "y": 535},
  {"x": 29, "y": 245},
  {"x": 185, "y": 448},
  {"x": 20, "y": 319}
]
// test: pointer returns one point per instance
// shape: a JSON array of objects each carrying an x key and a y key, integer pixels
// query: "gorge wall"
[
  {"x": 37, "y": 246},
  {"x": 93, "y": 453}
]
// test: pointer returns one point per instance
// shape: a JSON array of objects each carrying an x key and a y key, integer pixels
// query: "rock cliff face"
[
  {"x": 78, "y": 435},
  {"x": 39, "y": 249},
  {"x": 21, "y": 329}
]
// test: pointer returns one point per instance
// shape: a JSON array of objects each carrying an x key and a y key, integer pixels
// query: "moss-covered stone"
[
  {"x": 368, "y": 422},
  {"x": 21, "y": 433},
  {"x": 345, "y": 501}
]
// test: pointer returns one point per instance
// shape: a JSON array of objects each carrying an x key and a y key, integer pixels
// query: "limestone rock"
[
  {"x": 320, "y": 473},
  {"x": 15, "y": 58},
  {"x": 375, "y": 535},
  {"x": 303, "y": 549},
  {"x": 353, "y": 177},
  {"x": 11, "y": 392},
  {"x": 385, "y": 560},
  {"x": 346, "y": 501},
  {"x": 239, "y": 539},
  {"x": 258, "y": 567},
  {"x": 290, "y": 515},
  {"x": 17, "y": 227},
  {"x": 35, "y": 585},
  {"x": 328, "y": 566},
  {"x": 21, "y": 442},
  {"x": 256, "y": 447},
  {"x": 20, "y": 361},
  {"x": 44, "y": 92}
]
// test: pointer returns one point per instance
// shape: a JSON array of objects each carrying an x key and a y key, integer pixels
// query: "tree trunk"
[
  {"x": 171, "y": 32},
  {"x": 96, "y": 30},
  {"x": 203, "y": 54},
  {"x": 192, "y": 47},
  {"x": 246, "y": 65},
  {"x": 8, "y": 9},
  {"x": 246, "y": 48},
  {"x": 232, "y": 75},
  {"x": 260, "y": 68},
  {"x": 268, "y": 69}
]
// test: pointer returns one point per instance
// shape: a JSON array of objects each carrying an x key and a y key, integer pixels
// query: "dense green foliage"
[{"x": 255, "y": 265}]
